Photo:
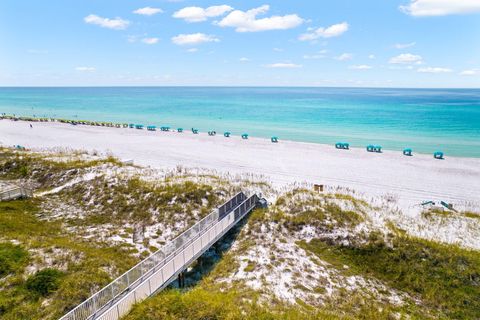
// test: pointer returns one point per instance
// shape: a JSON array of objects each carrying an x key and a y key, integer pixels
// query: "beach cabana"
[
  {"x": 139, "y": 126},
  {"x": 274, "y": 139},
  {"x": 245, "y": 136},
  {"x": 342, "y": 145},
  {"x": 131, "y": 126},
  {"x": 165, "y": 128},
  {"x": 372, "y": 148},
  {"x": 212, "y": 133},
  {"x": 226, "y": 134},
  {"x": 407, "y": 152},
  {"x": 194, "y": 131},
  {"x": 438, "y": 155},
  {"x": 151, "y": 128},
  {"x": 180, "y": 130}
]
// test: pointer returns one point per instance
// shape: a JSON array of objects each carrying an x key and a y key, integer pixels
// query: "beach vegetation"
[{"x": 444, "y": 277}]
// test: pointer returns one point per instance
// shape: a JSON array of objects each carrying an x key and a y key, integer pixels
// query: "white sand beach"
[{"x": 410, "y": 180}]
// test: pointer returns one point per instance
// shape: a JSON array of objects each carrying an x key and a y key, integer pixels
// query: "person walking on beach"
[{"x": 31, "y": 126}]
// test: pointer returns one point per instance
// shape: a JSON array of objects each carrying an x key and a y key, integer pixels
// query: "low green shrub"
[
  {"x": 12, "y": 258},
  {"x": 44, "y": 282}
]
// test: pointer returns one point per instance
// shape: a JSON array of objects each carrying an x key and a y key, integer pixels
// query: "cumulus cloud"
[
  {"x": 471, "y": 72},
  {"x": 344, "y": 57},
  {"x": 116, "y": 24},
  {"x": 148, "y": 11},
  {"x": 246, "y": 21},
  {"x": 150, "y": 40},
  {"x": 192, "y": 50},
  {"x": 85, "y": 69},
  {"x": 434, "y": 70},
  {"x": 423, "y": 8},
  {"x": 193, "y": 39},
  {"x": 244, "y": 59},
  {"x": 329, "y": 32},
  {"x": 406, "y": 58},
  {"x": 198, "y": 14},
  {"x": 404, "y": 45},
  {"x": 361, "y": 67},
  {"x": 284, "y": 65},
  {"x": 371, "y": 56}
]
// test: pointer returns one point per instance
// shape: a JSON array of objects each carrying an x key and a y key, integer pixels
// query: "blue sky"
[{"x": 372, "y": 43}]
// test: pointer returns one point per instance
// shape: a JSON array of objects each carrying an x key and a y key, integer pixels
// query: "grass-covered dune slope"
[{"x": 331, "y": 255}]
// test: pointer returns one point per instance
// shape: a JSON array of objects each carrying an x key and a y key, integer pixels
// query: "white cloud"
[
  {"x": 278, "y": 49},
  {"x": 198, "y": 14},
  {"x": 344, "y": 57},
  {"x": 116, "y": 24},
  {"x": 284, "y": 65},
  {"x": 471, "y": 72},
  {"x": 192, "y": 50},
  {"x": 434, "y": 70},
  {"x": 371, "y": 56},
  {"x": 85, "y": 69},
  {"x": 422, "y": 8},
  {"x": 148, "y": 11},
  {"x": 150, "y": 40},
  {"x": 244, "y": 59},
  {"x": 246, "y": 21},
  {"x": 361, "y": 67},
  {"x": 404, "y": 45},
  {"x": 194, "y": 38},
  {"x": 329, "y": 32},
  {"x": 406, "y": 58}
]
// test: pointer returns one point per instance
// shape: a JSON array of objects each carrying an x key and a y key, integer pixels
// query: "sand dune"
[{"x": 409, "y": 179}]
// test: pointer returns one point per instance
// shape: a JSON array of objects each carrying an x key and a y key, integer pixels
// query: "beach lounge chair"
[
  {"x": 212, "y": 133},
  {"x": 407, "y": 152},
  {"x": 194, "y": 131},
  {"x": 180, "y": 130},
  {"x": 245, "y": 136},
  {"x": 274, "y": 139},
  {"x": 342, "y": 145},
  {"x": 226, "y": 134},
  {"x": 438, "y": 155}
]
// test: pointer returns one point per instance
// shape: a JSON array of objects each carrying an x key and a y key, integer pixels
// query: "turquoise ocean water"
[{"x": 423, "y": 119}]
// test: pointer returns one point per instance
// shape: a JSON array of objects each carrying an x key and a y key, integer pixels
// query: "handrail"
[
  {"x": 164, "y": 275},
  {"x": 18, "y": 192},
  {"x": 159, "y": 258}
]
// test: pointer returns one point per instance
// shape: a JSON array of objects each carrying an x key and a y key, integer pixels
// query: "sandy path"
[{"x": 411, "y": 179}]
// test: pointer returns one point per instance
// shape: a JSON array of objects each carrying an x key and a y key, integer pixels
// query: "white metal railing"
[
  {"x": 15, "y": 193},
  {"x": 97, "y": 305}
]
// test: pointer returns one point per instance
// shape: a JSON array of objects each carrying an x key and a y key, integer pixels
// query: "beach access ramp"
[{"x": 161, "y": 268}]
